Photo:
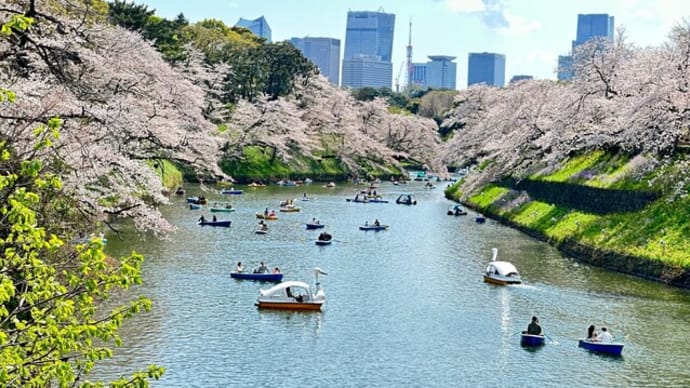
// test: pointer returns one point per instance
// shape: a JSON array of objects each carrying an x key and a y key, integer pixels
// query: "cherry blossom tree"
[{"x": 120, "y": 104}]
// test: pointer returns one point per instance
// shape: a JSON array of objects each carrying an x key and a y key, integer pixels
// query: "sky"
[{"x": 530, "y": 33}]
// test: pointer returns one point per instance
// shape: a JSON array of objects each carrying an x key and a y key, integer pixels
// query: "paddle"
[
  {"x": 550, "y": 339},
  {"x": 619, "y": 338},
  {"x": 340, "y": 241}
]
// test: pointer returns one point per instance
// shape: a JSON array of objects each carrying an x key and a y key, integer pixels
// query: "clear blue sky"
[{"x": 531, "y": 33}]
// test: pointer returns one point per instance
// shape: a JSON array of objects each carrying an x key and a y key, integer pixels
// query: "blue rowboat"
[
  {"x": 531, "y": 340},
  {"x": 225, "y": 224},
  {"x": 194, "y": 206},
  {"x": 315, "y": 226},
  {"x": 375, "y": 228},
  {"x": 231, "y": 192},
  {"x": 323, "y": 242},
  {"x": 266, "y": 277},
  {"x": 614, "y": 349}
]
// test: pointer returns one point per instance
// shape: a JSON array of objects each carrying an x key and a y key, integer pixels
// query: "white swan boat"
[
  {"x": 293, "y": 295},
  {"x": 501, "y": 272}
]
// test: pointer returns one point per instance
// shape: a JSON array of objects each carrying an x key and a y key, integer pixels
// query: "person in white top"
[{"x": 604, "y": 337}]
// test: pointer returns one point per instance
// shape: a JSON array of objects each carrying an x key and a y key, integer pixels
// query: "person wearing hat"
[{"x": 534, "y": 328}]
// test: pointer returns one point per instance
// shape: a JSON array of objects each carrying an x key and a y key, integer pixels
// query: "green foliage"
[
  {"x": 573, "y": 166},
  {"x": 52, "y": 328},
  {"x": 16, "y": 22},
  {"x": 128, "y": 15},
  {"x": 257, "y": 163}
]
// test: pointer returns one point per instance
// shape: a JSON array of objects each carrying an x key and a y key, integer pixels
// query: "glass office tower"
[
  {"x": 258, "y": 26},
  {"x": 368, "y": 49},
  {"x": 487, "y": 68},
  {"x": 324, "y": 53}
]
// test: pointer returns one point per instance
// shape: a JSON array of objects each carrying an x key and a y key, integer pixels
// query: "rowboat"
[
  {"x": 501, "y": 272},
  {"x": 315, "y": 226},
  {"x": 179, "y": 191},
  {"x": 375, "y": 228},
  {"x": 293, "y": 295},
  {"x": 224, "y": 224},
  {"x": 406, "y": 199},
  {"x": 289, "y": 209},
  {"x": 222, "y": 208},
  {"x": 197, "y": 200},
  {"x": 194, "y": 206},
  {"x": 266, "y": 277},
  {"x": 480, "y": 219},
  {"x": 614, "y": 349},
  {"x": 270, "y": 217},
  {"x": 261, "y": 231},
  {"x": 456, "y": 210},
  {"x": 231, "y": 191},
  {"x": 323, "y": 242},
  {"x": 532, "y": 340}
]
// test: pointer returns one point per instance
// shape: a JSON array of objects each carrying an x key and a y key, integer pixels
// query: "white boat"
[
  {"x": 293, "y": 295},
  {"x": 501, "y": 272}
]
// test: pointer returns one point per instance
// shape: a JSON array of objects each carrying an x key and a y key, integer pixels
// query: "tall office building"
[
  {"x": 589, "y": 26},
  {"x": 487, "y": 68},
  {"x": 368, "y": 49},
  {"x": 441, "y": 72},
  {"x": 258, "y": 26},
  {"x": 324, "y": 52}
]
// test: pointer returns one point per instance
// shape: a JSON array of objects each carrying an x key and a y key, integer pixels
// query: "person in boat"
[
  {"x": 215, "y": 219},
  {"x": 264, "y": 227},
  {"x": 262, "y": 268},
  {"x": 273, "y": 213},
  {"x": 202, "y": 218},
  {"x": 304, "y": 195},
  {"x": 266, "y": 212},
  {"x": 276, "y": 270},
  {"x": 239, "y": 267},
  {"x": 591, "y": 333},
  {"x": 604, "y": 337},
  {"x": 376, "y": 222},
  {"x": 314, "y": 221},
  {"x": 324, "y": 236},
  {"x": 534, "y": 328}
]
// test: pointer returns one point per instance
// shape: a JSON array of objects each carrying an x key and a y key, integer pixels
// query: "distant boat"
[
  {"x": 614, "y": 349},
  {"x": 266, "y": 277},
  {"x": 179, "y": 191},
  {"x": 456, "y": 210},
  {"x": 315, "y": 226},
  {"x": 231, "y": 191},
  {"x": 330, "y": 185},
  {"x": 406, "y": 199},
  {"x": 375, "y": 228},
  {"x": 222, "y": 208},
  {"x": 224, "y": 224},
  {"x": 255, "y": 184},
  {"x": 194, "y": 206},
  {"x": 270, "y": 217},
  {"x": 480, "y": 219}
]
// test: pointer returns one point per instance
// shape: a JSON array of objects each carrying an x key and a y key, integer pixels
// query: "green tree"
[
  {"x": 52, "y": 328},
  {"x": 134, "y": 17}
]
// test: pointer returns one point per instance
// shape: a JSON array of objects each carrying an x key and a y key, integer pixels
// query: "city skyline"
[{"x": 531, "y": 33}]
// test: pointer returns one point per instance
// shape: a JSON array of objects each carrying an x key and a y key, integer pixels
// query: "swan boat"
[
  {"x": 293, "y": 295},
  {"x": 501, "y": 272}
]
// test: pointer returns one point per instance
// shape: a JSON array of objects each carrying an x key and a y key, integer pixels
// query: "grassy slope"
[
  {"x": 657, "y": 232},
  {"x": 257, "y": 164}
]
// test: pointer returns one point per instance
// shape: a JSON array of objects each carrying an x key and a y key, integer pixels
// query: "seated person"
[
  {"x": 604, "y": 337},
  {"x": 240, "y": 267},
  {"x": 262, "y": 268},
  {"x": 534, "y": 328},
  {"x": 276, "y": 270},
  {"x": 376, "y": 222},
  {"x": 591, "y": 333}
]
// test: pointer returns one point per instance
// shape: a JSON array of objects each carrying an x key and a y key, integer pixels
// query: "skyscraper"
[
  {"x": 589, "y": 26},
  {"x": 324, "y": 52},
  {"x": 441, "y": 72},
  {"x": 368, "y": 48},
  {"x": 487, "y": 68},
  {"x": 258, "y": 26}
]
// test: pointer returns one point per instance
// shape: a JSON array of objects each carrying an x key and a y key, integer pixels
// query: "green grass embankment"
[
  {"x": 652, "y": 242},
  {"x": 257, "y": 163}
]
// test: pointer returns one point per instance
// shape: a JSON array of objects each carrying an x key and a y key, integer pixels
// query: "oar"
[
  {"x": 619, "y": 338},
  {"x": 550, "y": 339},
  {"x": 340, "y": 241}
]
